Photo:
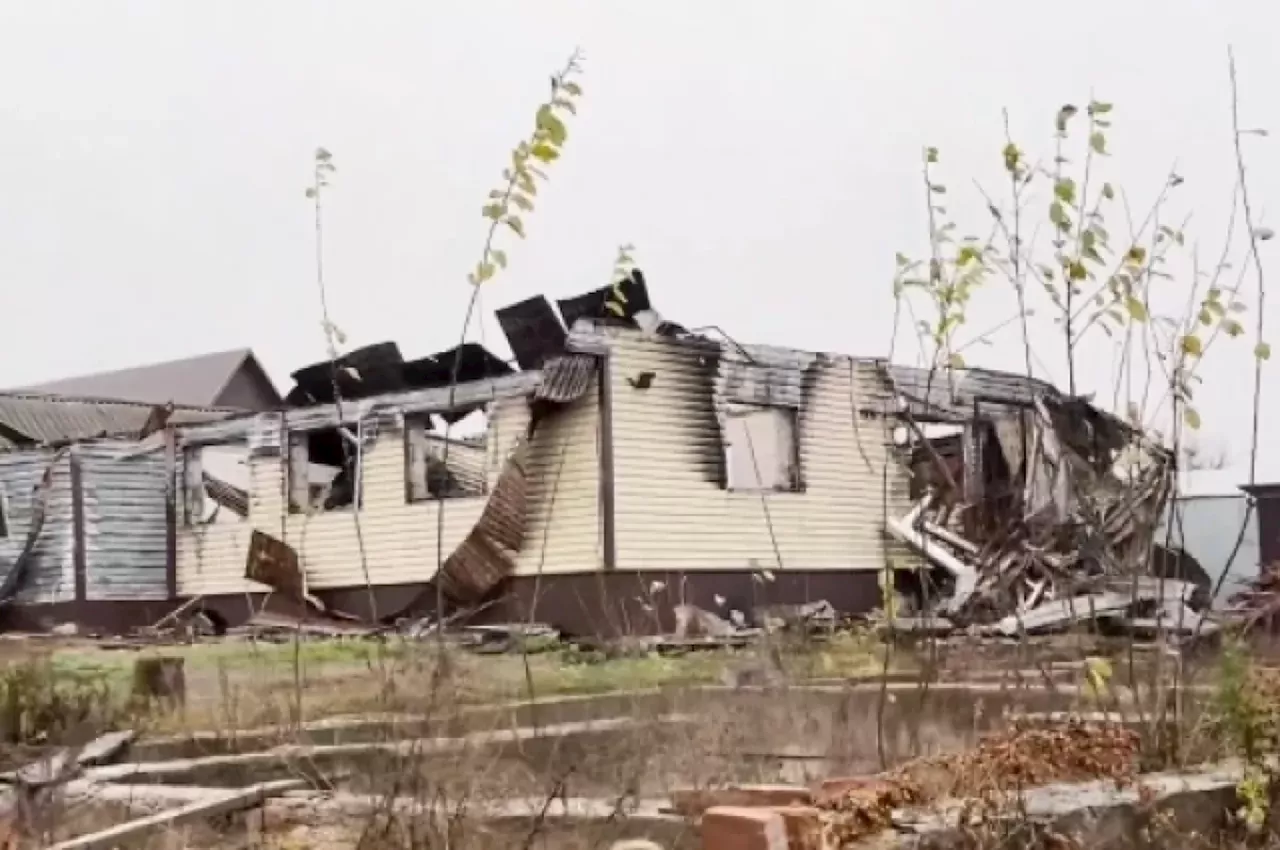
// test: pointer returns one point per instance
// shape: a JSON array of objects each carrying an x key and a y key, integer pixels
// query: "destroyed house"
[
  {"x": 83, "y": 505},
  {"x": 630, "y": 471},
  {"x": 627, "y": 469},
  {"x": 632, "y": 467}
]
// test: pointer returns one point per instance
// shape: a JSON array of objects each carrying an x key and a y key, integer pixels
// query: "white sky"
[{"x": 763, "y": 157}]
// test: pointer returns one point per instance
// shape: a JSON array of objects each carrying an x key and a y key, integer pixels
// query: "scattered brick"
[
  {"x": 737, "y": 828},
  {"x": 692, "y": 802},
  {"x": 803, "y": 825}
]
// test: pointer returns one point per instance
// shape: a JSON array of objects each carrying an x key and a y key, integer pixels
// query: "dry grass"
[{"x": 425, "y": 796}]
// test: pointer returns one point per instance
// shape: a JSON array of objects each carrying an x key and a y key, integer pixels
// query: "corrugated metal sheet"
[
  {"x": 672, "y": 512},
  {"x": 53, "y": 419},
  {"x": 487, "y": 555},
  {"x": 124, "y": 519},
  {"x": 565, "y": 378},
  {"x": 51, "y": 576},
  {"x": 950, "y": 394},
  {"x": 467, "y": 461},
  {"x": 764, "y": 375},
  {"x": 226, "y": 495}
]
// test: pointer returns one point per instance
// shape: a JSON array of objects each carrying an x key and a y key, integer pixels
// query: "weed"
[{"x": 42, "y": 702}]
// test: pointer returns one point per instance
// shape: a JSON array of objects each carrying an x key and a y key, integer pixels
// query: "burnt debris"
[{"x": 1036, "y": 511}]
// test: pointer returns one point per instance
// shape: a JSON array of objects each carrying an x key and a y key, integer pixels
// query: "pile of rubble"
[{"x": 1039, "y": 511}]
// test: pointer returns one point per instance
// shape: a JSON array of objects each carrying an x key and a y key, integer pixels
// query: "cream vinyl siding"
[
  {"x": 671, "y": 512},
  {"x": 400, "y": 541},
  {"x": 564, "y": 532}
]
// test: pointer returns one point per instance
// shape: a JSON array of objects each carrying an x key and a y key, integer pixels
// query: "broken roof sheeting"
[
  {"x": 27, "y": 419},
  {"x": 533, "y": 331},
  {"x": 566, "y": 378},
  {"x": 380, "y": 369},
  {"x": 950, "y": 395},
  {"x": 227, "y": 495},
  {"x": 487, "y": 555},
  {"x": 593, "y": 304},
  {"x": 764, "y": 374}
]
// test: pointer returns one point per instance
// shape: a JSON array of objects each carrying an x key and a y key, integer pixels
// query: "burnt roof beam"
[{"x": 470, "y": 395}]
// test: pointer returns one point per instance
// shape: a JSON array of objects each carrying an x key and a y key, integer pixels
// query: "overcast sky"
[{"x": 762, "y": 156}]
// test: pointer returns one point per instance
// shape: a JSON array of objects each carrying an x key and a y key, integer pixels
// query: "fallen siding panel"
[
  {"x": 487, "y": 555},
  {"x": 125, "y": 525}
]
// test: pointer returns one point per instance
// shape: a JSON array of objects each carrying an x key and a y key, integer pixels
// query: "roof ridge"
[
  {"x": 207, "y": 355},
  {"x": 84, "y": 399}
]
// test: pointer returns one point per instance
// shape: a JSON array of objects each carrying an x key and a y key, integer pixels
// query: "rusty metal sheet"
[
  {"x": 274, "y": 563},
  {"x": 566, "y": 378},
  {"x": 486, "y": 556},
  {"x": 950, "y": 395},
  {"x": 227, "y": 495}
]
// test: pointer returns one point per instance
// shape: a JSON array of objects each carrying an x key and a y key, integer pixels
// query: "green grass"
[{"x": 343, "y": 676}]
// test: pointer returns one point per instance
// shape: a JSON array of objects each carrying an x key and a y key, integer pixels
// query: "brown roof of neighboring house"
[{"x": 191, "y": 381}]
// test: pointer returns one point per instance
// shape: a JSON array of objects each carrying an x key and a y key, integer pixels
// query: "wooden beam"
[
  {"x": 224, "y": 803},
  {"x": 608, "y": 510},
  {"x": 170, "y": 513},
  {"x": 79, "y": 560},
  {"x": 435, "y": 400}
]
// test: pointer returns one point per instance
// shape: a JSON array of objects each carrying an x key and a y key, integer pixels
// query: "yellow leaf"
[
  {"x": 494, "y": 211},
  {"x": 573, "y": 89},
  {"x": 516, "y": 225},
  {"x": 1137, "y": 310},
  {"x": 499, "y": 257},
  {"x": 1262, "y": 351},
  {"x": 522, "y": 202},
  {"x": 1191, "y": 417},
  {"x": 551, "y": 124},
  {"x": 545, "y": 153},
  {"x": 1192, "y": 345}
]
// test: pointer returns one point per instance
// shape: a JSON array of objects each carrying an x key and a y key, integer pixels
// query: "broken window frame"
[
  {"x": 193, "y": 494},
  {"x": 197, "y": 489},
  {"x": 358, "y": 439},
  {"x": 787, "y": 479},
  {"x": 418, "y": 451}
]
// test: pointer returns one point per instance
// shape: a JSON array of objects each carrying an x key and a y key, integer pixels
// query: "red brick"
[
  {"x": 736, "y": 828},
  {"x": 693, "y": 802},
  {"x": 803, "y": 825}
]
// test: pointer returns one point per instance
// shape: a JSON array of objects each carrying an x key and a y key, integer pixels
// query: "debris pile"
[
  {"x": 1259, "y": 601},
  {"x": 1036, "y": 511},
  {"x": 1013, "y": 761}
]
